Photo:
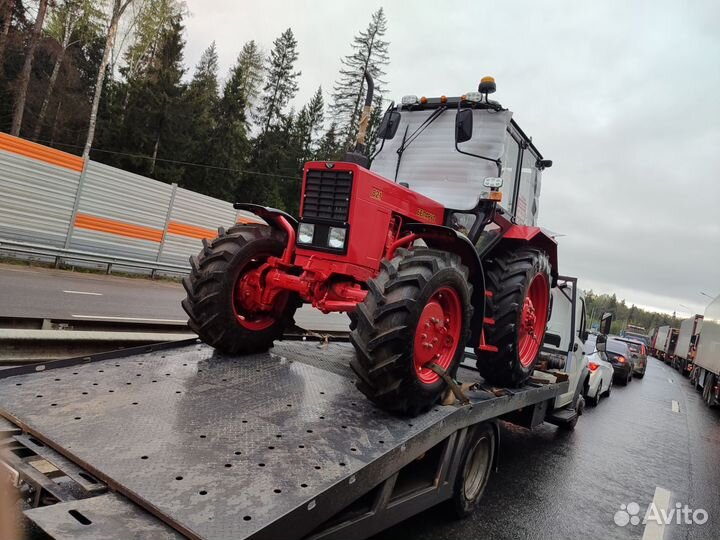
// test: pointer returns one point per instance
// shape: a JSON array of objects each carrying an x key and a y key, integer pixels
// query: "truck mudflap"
[{"x": 274, "y": 445}]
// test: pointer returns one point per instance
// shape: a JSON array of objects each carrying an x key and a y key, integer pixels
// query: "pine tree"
[
  {"x": 329, "y": 148},
  {"x": 370, "y": 53},
  {"x": 231, "y": 122},
  {"x": 307, "y": 126},
  {"x": 280, "y": 80},
  {"x": 250, "y": 67},
  {"x": 201, "y": 101}
]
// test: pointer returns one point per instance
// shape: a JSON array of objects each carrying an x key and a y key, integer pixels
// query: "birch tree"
[
  {"x": 118, "y": 7},
  {"x": 75, "y": 18}
]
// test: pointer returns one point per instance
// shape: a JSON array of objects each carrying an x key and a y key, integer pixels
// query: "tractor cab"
[{"x": 461, "y": 151}]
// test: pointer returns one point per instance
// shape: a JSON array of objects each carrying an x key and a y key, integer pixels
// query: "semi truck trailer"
[
  {"x": 706, "y": 372},
  {"x": 664, "y": 344},
  {"x": 686, "y": 344}
]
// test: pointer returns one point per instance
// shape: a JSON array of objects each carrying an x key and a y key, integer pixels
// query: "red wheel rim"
[
  {"x": 437, "y": 336},
  {"x": 252, "y": 320},
  {"x": 533, "y": 319}
]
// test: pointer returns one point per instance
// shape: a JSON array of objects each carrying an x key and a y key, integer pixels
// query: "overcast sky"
[{"x": 623, "y": 96}]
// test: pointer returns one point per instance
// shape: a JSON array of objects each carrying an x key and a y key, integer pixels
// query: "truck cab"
[{"x": 562, "y": 350}]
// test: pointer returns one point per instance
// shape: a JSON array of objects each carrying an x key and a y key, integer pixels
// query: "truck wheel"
[
  {"x": 519, "y": 281},
  {"x": 215, "y": 291},
  {"x": 708, "y": 390},
  {"x": 476, "y": 463},
  {"x": 417, "y": 311}
]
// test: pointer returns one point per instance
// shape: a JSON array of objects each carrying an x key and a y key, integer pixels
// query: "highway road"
[
  {"x": 61, "y": 294},
  {"x": 652, "y": 441}
]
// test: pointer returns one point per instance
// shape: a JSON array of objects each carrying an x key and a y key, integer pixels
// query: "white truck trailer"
[
  {"x": 662, "y": 338},
  {"x": 706, "y": 373},
  {"x": 686, "y": 344}
]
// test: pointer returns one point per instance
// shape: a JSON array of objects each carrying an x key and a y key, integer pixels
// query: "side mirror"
[
  {"x": 463, "y": 125},
  {"x": 389, "y": 125},
  {"x": 544, "y": 163},
  {"x": 605, "y": 322},
  {"x": 600, "y": 343}
]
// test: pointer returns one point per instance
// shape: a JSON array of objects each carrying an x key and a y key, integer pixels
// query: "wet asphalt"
[{"x": 554, "y": 484}]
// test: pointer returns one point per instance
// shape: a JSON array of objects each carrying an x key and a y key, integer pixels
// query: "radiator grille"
[{"x": 327, "y": 194}]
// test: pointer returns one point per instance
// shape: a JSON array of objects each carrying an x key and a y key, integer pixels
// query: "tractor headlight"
[
  {"x": 306, "y": 231},
  {"x": 336, "y": 238}
]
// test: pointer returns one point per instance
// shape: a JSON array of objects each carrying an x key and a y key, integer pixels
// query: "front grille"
[{"x": 327, "y": 194}]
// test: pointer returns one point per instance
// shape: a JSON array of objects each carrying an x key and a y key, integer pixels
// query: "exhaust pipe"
[{"x": 357, "y": 155}]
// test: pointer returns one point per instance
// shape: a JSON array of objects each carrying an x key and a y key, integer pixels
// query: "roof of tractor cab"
[{"x": 425, "y": 104}]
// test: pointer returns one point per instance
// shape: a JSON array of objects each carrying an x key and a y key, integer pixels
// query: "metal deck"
[{"x": 267, "y": 446}]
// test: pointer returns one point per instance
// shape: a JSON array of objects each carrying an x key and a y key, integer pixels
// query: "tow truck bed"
[{"x": 185, "y": 442}]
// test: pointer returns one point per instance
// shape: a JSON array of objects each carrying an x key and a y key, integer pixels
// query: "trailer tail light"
[{"x": 593, "y": 366}]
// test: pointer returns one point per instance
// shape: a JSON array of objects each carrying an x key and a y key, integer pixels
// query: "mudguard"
[{"x": 267, "y": 213}]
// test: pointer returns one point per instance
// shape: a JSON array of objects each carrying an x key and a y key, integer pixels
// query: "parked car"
[
  {"x": 638, "y": 355},
  {"x": 618, "y": 354},
  {"x": 600, "y": 380}
]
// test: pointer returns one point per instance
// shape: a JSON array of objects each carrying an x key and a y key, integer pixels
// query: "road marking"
[
  {"x": 144, "y": 319},
  {"x": 84, "y": 292},
  {"x": 661, "y": 500},
  {"x": 675, "y": 406}
]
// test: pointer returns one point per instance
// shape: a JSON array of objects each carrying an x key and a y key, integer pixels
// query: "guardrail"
[{"x": 58, "y": 254}]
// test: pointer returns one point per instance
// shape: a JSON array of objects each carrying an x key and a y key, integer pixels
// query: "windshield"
[{"x": 430, "y": 164}]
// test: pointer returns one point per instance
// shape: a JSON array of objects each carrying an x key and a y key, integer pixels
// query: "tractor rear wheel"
[
  {"x": 519, "y": 281},
  {"x": 417, "y": 312},
  {"x": 215, "y": 290}
]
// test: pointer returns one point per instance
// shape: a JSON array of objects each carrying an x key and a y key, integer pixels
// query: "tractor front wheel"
[
  {"x": 215, "y": 288},
  {"x": 417, "y": 313},
  {"x": 519, "y": 283}
]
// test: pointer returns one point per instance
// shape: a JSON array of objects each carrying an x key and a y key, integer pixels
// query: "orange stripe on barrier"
[
  {"x": 120, "y": 228},
  {"x": 191, "y": 231},
  {"x": 21, "y": 147}
]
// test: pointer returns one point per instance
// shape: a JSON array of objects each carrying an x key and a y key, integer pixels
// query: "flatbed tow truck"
[{"x": 179, "y": 441}]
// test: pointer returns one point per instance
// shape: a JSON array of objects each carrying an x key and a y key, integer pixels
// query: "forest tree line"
[
  {"x": 107, "y": 80},
  {"x": 623, "y": 314}
]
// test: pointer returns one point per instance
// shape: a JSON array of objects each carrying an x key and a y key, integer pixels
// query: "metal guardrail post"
[
  {"x": 171, "y": 203},
  {"x": 76, "y": 204}
]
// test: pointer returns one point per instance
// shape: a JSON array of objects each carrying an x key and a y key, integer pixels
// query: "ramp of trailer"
[{"x": 264, "y": 446}]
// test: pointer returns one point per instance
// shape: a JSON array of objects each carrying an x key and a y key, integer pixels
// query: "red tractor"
[{"x": 419, "y": 251}]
